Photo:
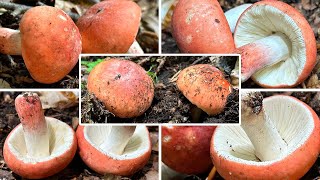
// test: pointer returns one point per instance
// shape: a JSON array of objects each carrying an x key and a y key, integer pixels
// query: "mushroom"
[
  {"x": 278, "y": 139},
  {"x": 233, "y": 15},
  {"x": 204, "y": 86},
  {"x": 186, "y": 149},
  {"x": 118, "y": 150},
  {"x": 109, "y": 26},
  {"x": 123, "y": 86},
  {"x": 40, "y": 146},
  {"x": 201, "y": 27},
  {"x": 49, "y": 41},
  {"x": 276, "y": 43}
]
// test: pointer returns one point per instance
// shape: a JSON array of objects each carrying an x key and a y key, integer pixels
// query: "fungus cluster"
[
  {"x": 40, "y": 146},
  {"x": 278, "y": 139},
  {"x": 204, "y": 86},
  {"x": 49, "y": 41},
  {"x": 123, "y": 86}
]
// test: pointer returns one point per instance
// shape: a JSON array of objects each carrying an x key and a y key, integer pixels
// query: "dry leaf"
[
  {"x": 60, "y": 100},
  {"x": 4, "y": 84}
]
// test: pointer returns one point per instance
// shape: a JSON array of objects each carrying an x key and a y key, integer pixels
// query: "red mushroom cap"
[
  {"x": 109, "y": 26},
  {"x": 131, "y": 161},
  {"x": 201, "y": 27},
  {"x": 123, "y": 86},
  {"x": 51, "y": 43},
  {"x": 186, "y": 149},
  {"x": 204, "y": 86}
]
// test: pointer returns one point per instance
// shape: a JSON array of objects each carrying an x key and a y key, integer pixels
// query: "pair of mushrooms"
[
  {"x": 278, "y": 139},
  {"x": 50, "y": 42},
  {"x": 127, "y": 91},
  {"x": 276, "y": 43},
  {"x": 42, "y": 146}
]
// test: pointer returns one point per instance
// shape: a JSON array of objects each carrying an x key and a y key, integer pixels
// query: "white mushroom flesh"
[
  {"x": 138, "y": 144},
  {"x": 233, "y": 15},
  {"x": 61, "y": 138},
  {"x": 264, "y": 20},
  {"x": 290, "y": 117}
]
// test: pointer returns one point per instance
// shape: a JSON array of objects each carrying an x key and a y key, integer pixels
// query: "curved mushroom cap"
[
  {"x": 201, "y": 27},
  {"x": 51, "y": 43},
  {"x": 204, "y": 86},
  {"x": 109, "y": 26},
  {"x": 63, "y": 146},
  {"x": 134, "y": 157},
  {"x": 234, "y": 156},
  {"x": 123, "y": 86},
  {"x": 265, "y": 18},
  {"x": 186, "y": 149}
]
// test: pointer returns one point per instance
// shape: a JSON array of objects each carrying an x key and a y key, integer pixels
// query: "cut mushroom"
[
  {"x": 201, "y": 27},
  {"x": 40, "y": 146},
  {"x": 186, "y": 149},
  {"x": 109, "y": 26},
  {"x": 278, "y": 139},
  {"x": 204, "y": 86},
  {"x": 48, "y": 40},
  {"x": 118, "y": 150},
  {"x": 276, "y": 43},
  {"x": 123, "y": 86}
]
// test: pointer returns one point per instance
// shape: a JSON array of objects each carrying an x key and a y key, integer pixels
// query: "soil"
[
  {"x": 309, "y": 8},
  {"x": 76, "y": 169},
  {"x": 169, "y": 105}
]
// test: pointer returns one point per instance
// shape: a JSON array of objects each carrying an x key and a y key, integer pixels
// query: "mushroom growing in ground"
[
  {"x": 186, "y": 149},
  {"x": 109, "y": 26},
  {"x": 40, "y": 146},
  {"x": 123, "y": 86},
  {"x": 118, "y": 150},
  {"x": 49, "y": 41},
  {"x": 201, "y": 27},
  {"x": 204, "y": 86},
  {"x": 276, "y": 43},
  {"x": 278, "y": 139}
]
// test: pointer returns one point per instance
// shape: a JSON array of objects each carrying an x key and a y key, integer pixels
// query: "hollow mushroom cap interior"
[
  {"x": 298, "y": 125},
  {"x": 135, "y": 155},
  {"x": 269, "y": 17},
  {"x": 62, "y": 149}
]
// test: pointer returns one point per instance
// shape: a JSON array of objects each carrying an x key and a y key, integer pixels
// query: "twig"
[
  {"x": 212, "y": 173},
  {"x": 161, "y": 62},
  {"x": 144, "y": 60},
  {"x": 20, "y": 8},
  {"x": 199, "y": 60}
]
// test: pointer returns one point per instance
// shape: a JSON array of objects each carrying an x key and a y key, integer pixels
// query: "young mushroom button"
[
  {"x": 278, "y": 139},
  {"x": 118, "y": 150},
  {"x": 49, "y": 41},
  {"x": 199, "y": 26},
  {"x": 123, "y": 86},
  {"x": 109, "y": 26},
  {"x": 40, "y": 146},
  {"x": 204, "y": 86},
  {"x": 276, "y": 43}
]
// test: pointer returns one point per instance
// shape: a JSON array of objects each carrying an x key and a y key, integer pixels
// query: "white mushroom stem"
[
  {"x": 35, "y": 129},
  {"x": 233, "y": 15},
  {"x": 118, "y": 138},
  {"x": 261, "y": 131},
  {"x": 263, "y": 53},
  {"x": 135, "y": 48},
  {"x": 10, "y": 41}
]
